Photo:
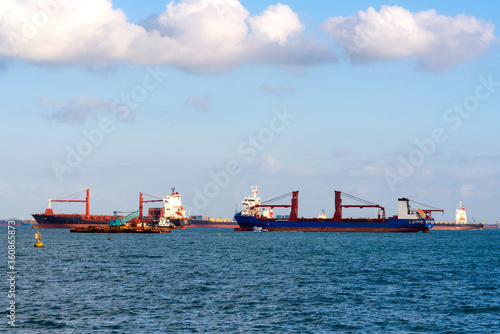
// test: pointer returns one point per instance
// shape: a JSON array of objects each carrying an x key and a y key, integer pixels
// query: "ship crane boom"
[
  {"x": 142, "y": 201},
  {"x": 294, "y": 205},
  {"x": 429, "y": 212},
  {"x": 430, "y": 209},
  {"x": 365, "y": 204},
  {"x": 86, "y": 201}
]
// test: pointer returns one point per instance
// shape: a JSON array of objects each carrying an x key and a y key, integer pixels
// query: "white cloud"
[
  {"x": 300, "y": 171},
  {"x": 435, "y": 41},
  {"x": 79, "y": 109},
  {"x": 197, "y": 102},
  {"x": 269, "y": 164},
  {"x": 197, "y": 35},
  {"x": 6, "y": 189},
  {"x": 276, "y": 23},
  {"x": 278, "y": 90},
  {"x": 467, "y": 190},
  {"x": 218, "y": 35}
]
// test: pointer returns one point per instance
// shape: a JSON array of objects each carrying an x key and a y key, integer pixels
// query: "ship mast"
[{"x": 142, "y": 201}]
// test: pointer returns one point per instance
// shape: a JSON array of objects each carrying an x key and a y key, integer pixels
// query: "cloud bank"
[
  {"x": 219, "y": 35},
  {"x": 196, "y": 35},
  {"x": 435, "y": 41}
]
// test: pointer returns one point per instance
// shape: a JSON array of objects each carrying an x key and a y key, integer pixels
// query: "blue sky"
[{"x": 377, "y": 99}]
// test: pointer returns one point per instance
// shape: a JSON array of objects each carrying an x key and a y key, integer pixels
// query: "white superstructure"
[
  {"x": 460, "y": 216},
  {"x": 251, "y": 201},
  {"x": 405, "y": 212},
  {"x": 173, "y": 208}
]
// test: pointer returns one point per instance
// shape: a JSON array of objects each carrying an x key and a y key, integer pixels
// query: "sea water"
[{"x": 221, "y": 281}]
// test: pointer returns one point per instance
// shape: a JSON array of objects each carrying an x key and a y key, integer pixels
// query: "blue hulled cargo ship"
[{"x": 256, "y": 215}]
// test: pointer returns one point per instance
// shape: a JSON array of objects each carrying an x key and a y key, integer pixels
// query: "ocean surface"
[{"x": 221, "y": 281}]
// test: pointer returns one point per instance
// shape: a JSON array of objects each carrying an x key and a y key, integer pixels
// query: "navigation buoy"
[{"x": 38, "y": 238}]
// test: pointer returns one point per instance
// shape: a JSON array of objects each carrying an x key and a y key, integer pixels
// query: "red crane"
[
  {"x": 141, "y": 204},
  {"x": 338, "y": 206},
  {"x": 49, "y": 211}
]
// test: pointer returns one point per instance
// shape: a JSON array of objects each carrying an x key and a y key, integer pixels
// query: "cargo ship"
[
  {"x": 171, "y": 214},
  {"x": 492, "y": 226},
  {"x": 17, "y": 222},
  {"x": 460, "y": 222},
  {"x": 257, "y": 215},
  {"x": 204, "y": 222}
]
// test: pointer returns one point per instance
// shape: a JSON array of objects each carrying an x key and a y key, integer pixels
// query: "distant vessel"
[
  {"x": 205, "y": 222},
  {"x": 492, "y": 226},
  {"x": 255, "y": 215},
  {"x": 172, "y": 214},
  {"x": 460, "y": 222},
  {"x": 17, "y": 222}
]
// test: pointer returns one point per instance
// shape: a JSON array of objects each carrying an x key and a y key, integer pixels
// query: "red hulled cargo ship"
[
  {"x": 492, "y": 226},
  {"x": 460, "y": 223},
  {"x": 172, "y": 214},
  {"x": 49, "y": 219}
]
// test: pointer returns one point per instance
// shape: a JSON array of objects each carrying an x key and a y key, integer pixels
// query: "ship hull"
[
  {"x": 202, "y": 223},
  {"x": 75, "y": 220},
  {"x": 179, "y": 222},
  {"x": 248, "y": 223},
  {"x": 491, "y": 227},
  {"x": 70, "y": 221},
  {"x": 17, "y": 222},
  {"x": 456, "y": 227}
]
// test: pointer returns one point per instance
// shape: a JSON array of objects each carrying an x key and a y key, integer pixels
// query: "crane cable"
[
  {"x": 358, "y": 199},
  {"x": 426, "y": 205},
  {"x": 73, "y": 196},
  {"x": 276, "y": 198}
]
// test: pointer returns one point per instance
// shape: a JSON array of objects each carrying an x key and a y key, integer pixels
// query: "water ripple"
[{"x": 197, "y": 281}]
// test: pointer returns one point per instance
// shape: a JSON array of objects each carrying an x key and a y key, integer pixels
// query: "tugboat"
[{"x": 255, "y": 215}]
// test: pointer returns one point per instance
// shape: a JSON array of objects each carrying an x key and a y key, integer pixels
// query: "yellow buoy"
[{"x": 38, "y": 238}]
